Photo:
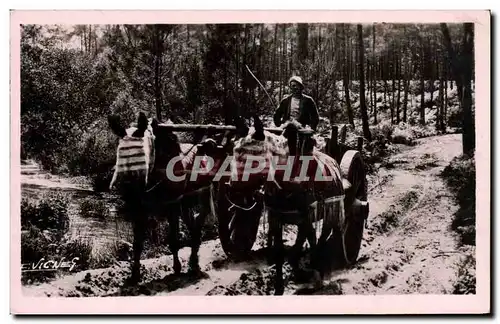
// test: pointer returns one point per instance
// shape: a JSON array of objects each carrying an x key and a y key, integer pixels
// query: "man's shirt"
[{"x": 294, "y": 108}]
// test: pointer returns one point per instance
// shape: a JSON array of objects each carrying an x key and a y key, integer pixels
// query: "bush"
[
  {"x": 44, "y": 225},
  {"x": 404, "y": 133},
  {"x": 460, "y": 176},
  {"x": 466, "y": 282},
  {"x": 39, "y": 244},
  {"x": 382, "y": 130},
  {"x": 454, "y": 117},
  {"x": 50, "y": 213},
  {"x": 95, "y": 151},
  {"x": 80, "y": 248},
  {"x": 35, "y": 245},
  {"x": 91, "y": 207}
]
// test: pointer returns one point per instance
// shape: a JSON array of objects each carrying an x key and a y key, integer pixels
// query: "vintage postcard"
[{"x": 250, "y": 162}]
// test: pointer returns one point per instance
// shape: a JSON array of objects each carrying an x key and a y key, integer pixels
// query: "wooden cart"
[{"x": 238, "y": 227}]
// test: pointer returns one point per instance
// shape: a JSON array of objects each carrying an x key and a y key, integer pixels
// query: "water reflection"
[{"x": 100, "y": 232}]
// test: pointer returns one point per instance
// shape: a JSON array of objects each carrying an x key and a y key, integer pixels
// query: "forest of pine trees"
[{"x": 71, "y": 79}]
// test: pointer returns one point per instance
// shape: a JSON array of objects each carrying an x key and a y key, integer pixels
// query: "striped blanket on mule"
[{"x": 134, "y": 159}]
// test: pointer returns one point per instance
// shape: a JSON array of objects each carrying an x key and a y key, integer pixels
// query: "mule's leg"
[
  {"x": 299, "y": 244},
  {"x": 305, "y": 231},
  {"x": 276, "y": 228},
  {"x": 315, "y": 254},
  {"x": 310, "y": 234},
  {"x": 195, "y": 226},
  {"x": 139, "y": 228},
  {"x": 173, "y": 239},
  {"x": 269, "y": 249},
  {"x": 296, "y": 252}
]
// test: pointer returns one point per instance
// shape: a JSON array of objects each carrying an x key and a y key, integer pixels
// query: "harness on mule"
[{"x": 321, "y": 200}]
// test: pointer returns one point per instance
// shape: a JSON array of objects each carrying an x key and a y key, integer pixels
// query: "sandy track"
[{"x": 408, "y": 246}]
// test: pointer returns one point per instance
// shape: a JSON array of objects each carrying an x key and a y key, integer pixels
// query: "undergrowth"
[
  {"x": 460, "y": 176},
  {"x": 466, "y": 273}
]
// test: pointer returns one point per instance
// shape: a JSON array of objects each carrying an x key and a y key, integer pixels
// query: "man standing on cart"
[{"x": 297, "y": 106}]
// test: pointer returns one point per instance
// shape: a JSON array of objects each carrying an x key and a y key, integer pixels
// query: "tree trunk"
[
  {"x": 369, "y": 83},
  {"x": 352, "y": 75},
  {"x": 244, "y": 73},
  {"x": 432, "y": 78},
  {"x": 364, "y": 115},
  {"x": 158, "y": 55},
  {"x": 374, "y": 79},
  {"x": 462, "y": 72},
  {"x": 253, "y": 86},
  {"x": 290, "y": 59},
  {"x": 274, "y": 58},
  {"x": 350, "y": 114},
  {"x": 302, "y": 40},
  {"x": 374, "y": 84},
  {"x": 337, "y": 62},
  {"x": 285, "y": 54},
  {"x": 384, "y": 75},
  {"x": 407, "y": 89},
  {"x": 374, "y": 104},
  {"x": 318, "y": 64},
  {"x": 280, "y": 64},
  {"x": 239, "y": 71},
  {"x": 393, "y": 97},
  {"x": 263, "y": 72},
  {"x": 445, "y": 112},
  {"x": 440, "y": 108},
  {"x": 469, "y": 135},
  {"x": 225, "y": 103},
  {"x": 398, "y": 62},
  {"x": 422, "y": 84},
  {"x": 456, "y": 66}
]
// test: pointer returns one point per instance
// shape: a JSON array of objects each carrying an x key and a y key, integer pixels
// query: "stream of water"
[{"x": 99, "y": 232}]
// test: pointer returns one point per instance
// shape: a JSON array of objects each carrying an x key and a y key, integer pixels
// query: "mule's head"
[
  {"x": 135, "y": 155},
  {"x": 253, "y": 154},
  {"x": 299, "y": 139}
]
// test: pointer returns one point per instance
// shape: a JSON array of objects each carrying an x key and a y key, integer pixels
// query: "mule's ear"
[
  {"x": 155, "y": 125},
  {"x": 259, "y": 129},
  {"x": 116, "y": 126},
  {"x": 142, "y": 121},
  {"x": 142, "y": 125}
]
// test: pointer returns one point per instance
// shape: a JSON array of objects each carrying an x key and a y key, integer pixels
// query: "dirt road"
[{"x": 408, "y": 246}]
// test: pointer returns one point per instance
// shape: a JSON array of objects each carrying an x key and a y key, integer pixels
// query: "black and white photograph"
[{"x": 236, "y": 159}]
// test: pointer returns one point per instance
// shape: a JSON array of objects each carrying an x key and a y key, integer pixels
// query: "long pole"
[{"x": 263, "y": 88}]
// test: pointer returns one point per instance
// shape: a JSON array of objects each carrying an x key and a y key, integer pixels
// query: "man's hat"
[{"x": 296, "y": 79}]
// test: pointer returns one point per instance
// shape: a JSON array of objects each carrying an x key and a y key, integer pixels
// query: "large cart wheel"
[
  {"x": 348, "y": 240},
  {"x": 237, "y": 227}
]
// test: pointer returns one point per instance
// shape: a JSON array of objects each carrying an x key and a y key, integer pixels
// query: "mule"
[
  {"x": 143, "y": 154},
  {"x": 291, "y": 200}
]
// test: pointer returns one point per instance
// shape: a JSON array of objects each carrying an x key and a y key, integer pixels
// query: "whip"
[{"x": 263, "y": 88}]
